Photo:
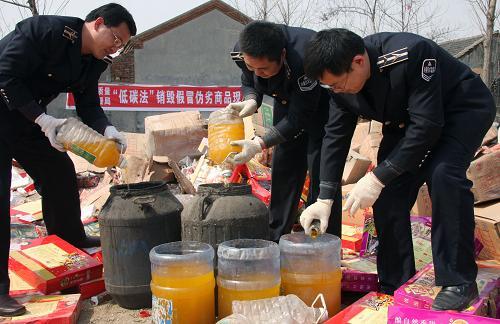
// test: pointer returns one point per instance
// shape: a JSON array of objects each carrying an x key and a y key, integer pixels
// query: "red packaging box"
[
  {"x": 359, "y": 286},
  {"x": 352, "y": 242},
  {"x": 358, "y": 281},
  {"x": 55, "y": 309},
  {"x": 372, "y": 309},
  {"x": 50, "y": 264},
  {"x": 420, "y": 291},
  {"x": 19, "y": 287},
  {"x": 92, "y": 288},
  {"x": 406, "y": 314}
]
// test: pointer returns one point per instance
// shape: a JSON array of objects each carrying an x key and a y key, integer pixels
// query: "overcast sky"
[{"x": 149, "y": 13}]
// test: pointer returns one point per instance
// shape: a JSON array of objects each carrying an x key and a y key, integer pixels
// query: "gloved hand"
[
  {"x": 250, "y": 148},
  {"x": 364, "y": 194},
  {"x": 244, "y": 108},
  {"x": 320, "y": 210},
  {"x": 49, "y": 126},
  {"x": 112, "y": 133}
]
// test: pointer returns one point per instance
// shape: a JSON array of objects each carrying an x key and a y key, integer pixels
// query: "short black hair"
[
  {"x": 113, "y": 15},
  {"x": 263, "y": 39},
  {"x": 332, "y": 50}
]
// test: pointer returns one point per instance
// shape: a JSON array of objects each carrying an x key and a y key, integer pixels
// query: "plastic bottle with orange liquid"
[
  {"x": 224, "y": 126},
  {"x": 183, "y": 283},
  {"x": 248, "y": 269},
  {"x": 82, "y": 140},
  {"x": 311, "y": 266}
]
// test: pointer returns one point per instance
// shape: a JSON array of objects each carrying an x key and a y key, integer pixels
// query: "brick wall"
[{"x": 122, "y": 69}]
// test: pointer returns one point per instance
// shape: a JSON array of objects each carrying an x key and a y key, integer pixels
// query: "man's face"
[
  {"x": 262, "y": 66},
  {"x": 108, "y": 40},
  {"x": 351, "y": 81}
]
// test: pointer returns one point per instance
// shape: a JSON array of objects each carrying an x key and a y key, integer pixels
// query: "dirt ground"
[{"x": 109, "y": 312}]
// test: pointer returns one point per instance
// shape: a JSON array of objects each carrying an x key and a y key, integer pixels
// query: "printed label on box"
[
  {"x": 368, "y": 315},
  {"x": 49, "y": 255}
]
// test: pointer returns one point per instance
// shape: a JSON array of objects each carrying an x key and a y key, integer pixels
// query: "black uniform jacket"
[
  {"x": 42, "y": 58},
  {"x": 414, "y": 85},
  {"x": 290, "y": 88}
]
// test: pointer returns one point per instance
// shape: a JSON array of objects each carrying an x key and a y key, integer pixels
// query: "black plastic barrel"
[
  {"x": 135, "y": 218},
  {"x": 222, "y": 212}
]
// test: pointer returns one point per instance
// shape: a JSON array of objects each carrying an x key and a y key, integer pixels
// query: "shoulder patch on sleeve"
[
  {"x": 237, "y": 56},
  {"x": 428, "y": 69},
  {"x": 108, "y": 59},
  {"x": 306, "y": 84},
  {"x": 70, "y": 34},
  {"x": 392, "y": 58}
]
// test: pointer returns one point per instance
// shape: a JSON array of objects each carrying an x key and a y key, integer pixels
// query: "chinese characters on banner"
[{"x": 136, "y": 97}]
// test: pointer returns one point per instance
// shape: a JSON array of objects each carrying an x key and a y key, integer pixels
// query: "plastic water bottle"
[
  {"x": 224, "y": 126},
  {"x": 287, "y": 309},
  {"x": 82, "y": 140}
]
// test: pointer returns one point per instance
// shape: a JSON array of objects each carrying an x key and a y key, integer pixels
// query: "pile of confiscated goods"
[{"x": 51, "y": 277}]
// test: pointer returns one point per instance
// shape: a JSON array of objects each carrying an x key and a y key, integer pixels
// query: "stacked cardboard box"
[
  {"x": 485, "y": 175},
  {"x": 175, "y": 135},
  {"x": 488, "y": 230}
]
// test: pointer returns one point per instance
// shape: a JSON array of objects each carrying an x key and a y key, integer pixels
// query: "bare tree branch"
[
  {"x": 35, "y": 7},
  {"x": 15, "y": 4}
]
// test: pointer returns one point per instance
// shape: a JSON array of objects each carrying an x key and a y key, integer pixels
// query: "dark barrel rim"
[
  {"x": 138, "y": 188},
  {"x": 222, "y": 189}
]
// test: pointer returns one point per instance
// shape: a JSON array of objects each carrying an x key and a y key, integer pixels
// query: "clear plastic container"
[
  {"x": 311, "y": 266},
  {"x": 277, "y": 310},
  {"x": 224, "y": 126},
  {"x": 248, "y": 269},
  {"x": 183, "y": 283},
  {"x": 82, "y": 140}
]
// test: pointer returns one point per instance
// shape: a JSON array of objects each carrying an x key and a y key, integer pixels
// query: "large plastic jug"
[
  {"x": 224, "y": 126},
  {"x": 135, "y": 218},
  {"x": 222, "y": 212},
  {"x": 248, "y": 269},
  {"x": 183, "y": 283},
  {"x": 82, "y": 140},
  {"x": 311, "y": 266}
]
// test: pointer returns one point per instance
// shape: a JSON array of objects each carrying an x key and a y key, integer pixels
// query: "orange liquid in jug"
[
  {"x": 184, "y": 299},
  {"x": 308, "y": 286},
  {"x": 101, "y": 154},
  {"x": 219, "y": 137},
  {"x": 226, "y": 297}
]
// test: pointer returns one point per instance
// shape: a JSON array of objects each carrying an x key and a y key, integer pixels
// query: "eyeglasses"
[
  {"x": 118, "y": 42},
  {"x": 336, "y": 86}
]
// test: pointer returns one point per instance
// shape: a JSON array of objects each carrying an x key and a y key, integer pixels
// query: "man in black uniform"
[
  {"x": 435, "y": 112},
  {"x": 270, "y": 57},
  {"x": 42, "y": 57}
]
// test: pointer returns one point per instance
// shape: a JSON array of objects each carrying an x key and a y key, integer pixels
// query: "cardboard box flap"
[
  {"x": 489, "y": 212},
  {"x": 174, "y": 123}
]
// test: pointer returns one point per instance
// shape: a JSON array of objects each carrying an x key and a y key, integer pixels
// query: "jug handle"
[
  {"x": 146, "y": 200},
  {"x": 205, "y": 205}
]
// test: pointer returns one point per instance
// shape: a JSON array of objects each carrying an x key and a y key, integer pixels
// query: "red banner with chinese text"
[{"x": 135, "y": 97}]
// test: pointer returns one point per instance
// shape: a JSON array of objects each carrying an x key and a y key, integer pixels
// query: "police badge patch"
[
  {"x": 428, "y": 69},
  {"x": 306, "y": 84}
]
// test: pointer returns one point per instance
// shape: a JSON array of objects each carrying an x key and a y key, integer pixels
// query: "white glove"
[
  {"x": 364, "y": 194},
  {"x": 250, "y": 148},
  {"x": 112, "y": 133},
  {"x": 50, "y": 126},
  {"x": 244, "y": 108},
  {"x": 319, "y": 210}
]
